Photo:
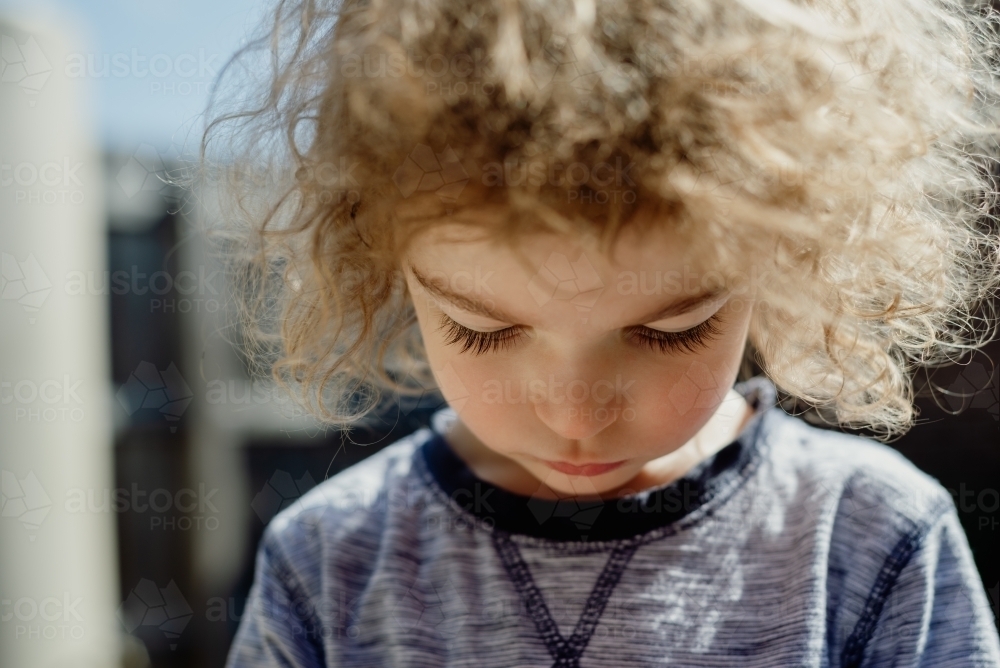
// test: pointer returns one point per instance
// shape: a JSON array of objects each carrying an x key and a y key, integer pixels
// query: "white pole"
[{"x": 58, "y": 561}]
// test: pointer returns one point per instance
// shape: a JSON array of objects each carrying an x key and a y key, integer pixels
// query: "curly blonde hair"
[{"x": 843, "y": 148}]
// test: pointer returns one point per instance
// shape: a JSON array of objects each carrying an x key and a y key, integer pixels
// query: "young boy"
[{"x": 577, "y": 221}]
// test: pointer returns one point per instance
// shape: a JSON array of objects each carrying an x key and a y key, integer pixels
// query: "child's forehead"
[
  {"x": 453, "y": 248},
  {"x": 643, "y": 282}
]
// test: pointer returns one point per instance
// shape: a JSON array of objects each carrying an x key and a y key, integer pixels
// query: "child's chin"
[{"x": 601, "y": 486}]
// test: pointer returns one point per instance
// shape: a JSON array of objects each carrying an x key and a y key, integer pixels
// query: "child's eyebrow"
[
  {"x": 679, "y": 307},
  {"x": 434, "y": 286}
]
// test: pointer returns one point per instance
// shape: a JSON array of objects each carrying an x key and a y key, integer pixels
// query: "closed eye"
[
  {"x": 479, "y": 342},
  {"x": 692, "y": 340}
]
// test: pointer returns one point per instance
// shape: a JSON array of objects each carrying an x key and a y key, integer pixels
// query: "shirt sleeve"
[
  {"x": 279, "y": 627},
  {"x": 935, "y": 613}
]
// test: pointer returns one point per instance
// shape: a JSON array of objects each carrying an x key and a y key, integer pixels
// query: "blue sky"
[{"x": 185, "y": 41}]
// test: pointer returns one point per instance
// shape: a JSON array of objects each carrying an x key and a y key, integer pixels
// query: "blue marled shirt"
[{"x": 792, "y": 546}]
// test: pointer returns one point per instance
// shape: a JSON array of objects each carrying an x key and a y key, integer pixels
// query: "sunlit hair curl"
[{"x": 844, "y": 149}]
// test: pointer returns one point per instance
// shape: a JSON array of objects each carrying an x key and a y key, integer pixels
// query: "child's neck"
[{"x": 722, "y": 429}]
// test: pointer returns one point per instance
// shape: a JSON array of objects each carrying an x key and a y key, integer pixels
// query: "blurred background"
[{"x": 139, "y": 461}]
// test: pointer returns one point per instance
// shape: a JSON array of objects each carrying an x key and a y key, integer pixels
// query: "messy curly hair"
[{"x": 843, "y": 148}]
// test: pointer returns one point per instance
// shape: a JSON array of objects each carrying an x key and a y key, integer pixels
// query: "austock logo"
[
  {"x": 574, "y": 281},
  {"x": 23, "y": 282},
  {"x": 279, "y": 492},
  {"x": 699, "y": 387},
  {"x": 165, "y": 391},
  {"x": 23, "y": 64},
  {"x": 55, "y": 181},
  {"x": 170, "y": 74},
  {"x": 144, "y": 171},
  {"x": 430, "y": 605},
  {"x": 184, "y": 509},
  {"x": 425, "y": 170},
  {"x": 981, "y": 385},
  {"x": 48, "y": 400},
  {"x": 452, "y": 387},
  {"x": 582, "y": 513},
  {"x": 163, "y": 608},
  {"x": 24, "y": 499},
  {"x": 45, "y": 618},
  {"x": 574, "y": 64}
]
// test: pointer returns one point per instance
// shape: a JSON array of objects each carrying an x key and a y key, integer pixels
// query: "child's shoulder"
[
  {"x": 871, "y": 482},
  {"x": 354, "y": 500}
]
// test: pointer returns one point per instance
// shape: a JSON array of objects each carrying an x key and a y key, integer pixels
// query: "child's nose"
[{"x": 577, "y": 420}]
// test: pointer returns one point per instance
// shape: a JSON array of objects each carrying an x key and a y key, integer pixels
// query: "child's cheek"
[
  {"x": 482, "y": 386},
  {"x": 461, "y": 377},
  {"x": 673, "y": 400}
]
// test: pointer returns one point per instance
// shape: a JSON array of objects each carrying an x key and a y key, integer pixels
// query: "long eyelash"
[
  {"x": 690, "y": 340},
  {"x": 479, "y": 342}
]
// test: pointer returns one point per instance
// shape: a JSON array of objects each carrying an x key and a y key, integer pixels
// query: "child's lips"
[{"x": 583, "y": 469}]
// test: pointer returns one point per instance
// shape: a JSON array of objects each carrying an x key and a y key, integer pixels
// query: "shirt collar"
[{"x": 598, "y": 520}]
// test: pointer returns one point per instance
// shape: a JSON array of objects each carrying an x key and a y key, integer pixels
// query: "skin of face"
[{"x": 575, "y": 384}]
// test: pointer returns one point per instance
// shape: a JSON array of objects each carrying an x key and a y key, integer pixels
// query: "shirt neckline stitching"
[{"x": 716, "y": 491}]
